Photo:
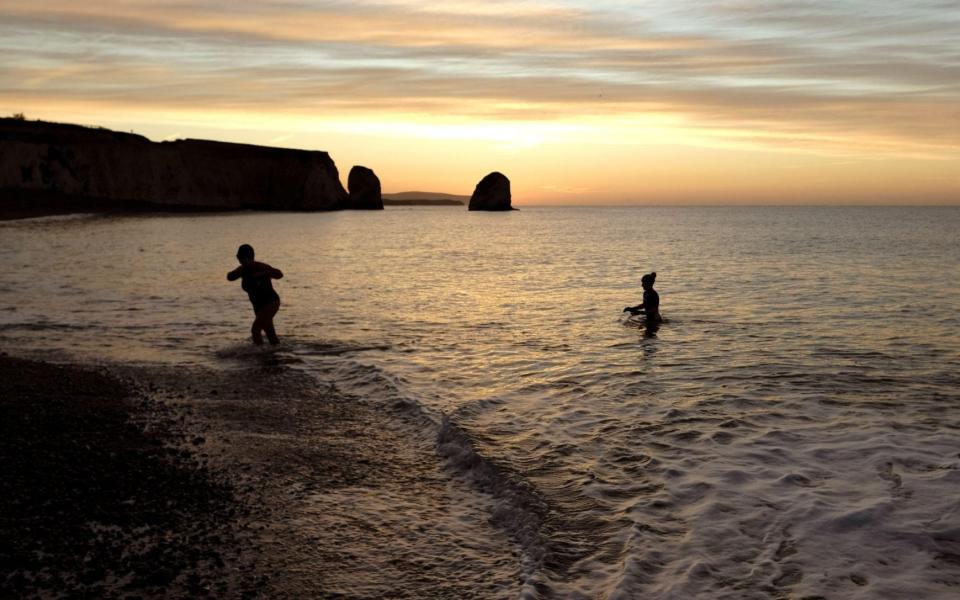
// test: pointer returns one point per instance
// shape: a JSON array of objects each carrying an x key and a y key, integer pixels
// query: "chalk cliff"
[{"x": 98, "y": 168}]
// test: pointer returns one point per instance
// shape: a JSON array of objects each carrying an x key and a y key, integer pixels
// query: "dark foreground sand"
[
  {"x": 100, "y": 498},
  {"x": 160, "y": 482}
]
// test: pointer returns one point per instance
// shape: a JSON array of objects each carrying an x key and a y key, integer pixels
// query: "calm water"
[{"x": 791, "y": 431}]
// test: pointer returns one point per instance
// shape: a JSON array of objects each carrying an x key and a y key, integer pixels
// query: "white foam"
[{"x": 511, "y": 503}]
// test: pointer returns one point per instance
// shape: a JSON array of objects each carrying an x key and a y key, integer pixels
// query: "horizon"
[{"x": 578, "y": 103}]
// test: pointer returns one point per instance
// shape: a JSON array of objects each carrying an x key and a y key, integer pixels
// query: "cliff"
[{"x": 69, "y": 166}]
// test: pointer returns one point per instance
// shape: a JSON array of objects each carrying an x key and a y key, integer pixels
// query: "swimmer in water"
[
  {"x": 255, "y": 280},
  {"x": 650, "y": 306}
]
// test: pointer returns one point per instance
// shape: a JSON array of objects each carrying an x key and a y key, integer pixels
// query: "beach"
[
  {"x": 565, "y": 300},
  {"x": 447, "y": 217},
  {"x": 125, "y": 481},
  {"x": 105, "y": 493}
]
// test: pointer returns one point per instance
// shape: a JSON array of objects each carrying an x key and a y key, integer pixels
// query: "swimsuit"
[
  {"x": 260, "y": 290},
  {"x": 651, "y": 304}
]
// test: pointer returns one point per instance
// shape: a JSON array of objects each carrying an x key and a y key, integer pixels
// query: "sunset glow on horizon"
[{"x": 601, "y": 102}]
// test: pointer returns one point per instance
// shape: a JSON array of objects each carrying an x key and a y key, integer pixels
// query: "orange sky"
[{"x": 577, "y": 102}]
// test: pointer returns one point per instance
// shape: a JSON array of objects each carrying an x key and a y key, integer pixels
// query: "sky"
[{"x": 577, "y": 102}]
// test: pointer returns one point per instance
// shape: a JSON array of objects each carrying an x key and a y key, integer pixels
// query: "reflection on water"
[
  {"x": 646, "y": 327},
  {"x": 789, "y": 431}
]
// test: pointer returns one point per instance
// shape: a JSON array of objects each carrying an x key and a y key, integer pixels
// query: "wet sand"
[{"x": 147, "y": 482}]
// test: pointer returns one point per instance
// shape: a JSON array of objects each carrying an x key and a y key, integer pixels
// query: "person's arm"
[
  {"x": 634, "y": 309},
  {"x": 235, "y": 274}
]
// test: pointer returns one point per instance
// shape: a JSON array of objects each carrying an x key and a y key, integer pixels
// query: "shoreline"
[
  {"x": 276, "y": 487},
  {"x": 28, "y": 207},
  {"x": 17, "y": 211}
]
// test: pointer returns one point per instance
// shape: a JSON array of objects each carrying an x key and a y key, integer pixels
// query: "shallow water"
[{"x": 791, "y": 431}]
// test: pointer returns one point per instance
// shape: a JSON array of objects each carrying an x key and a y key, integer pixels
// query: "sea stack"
[
  {"x": 364, "y": 187},
  {"x": 492, "y": 193},
  {"x": 84, "y": 168}
]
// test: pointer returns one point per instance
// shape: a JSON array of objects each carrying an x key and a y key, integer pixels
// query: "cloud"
[{"x": 851, "y": 76}]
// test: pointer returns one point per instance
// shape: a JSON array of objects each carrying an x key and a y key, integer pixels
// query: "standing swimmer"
[
  {"x": 256, "y": 283},
  {"x": 651, "y": 300}
]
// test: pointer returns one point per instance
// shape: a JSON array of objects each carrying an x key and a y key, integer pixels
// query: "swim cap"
[{"x": 245, "y": 251}]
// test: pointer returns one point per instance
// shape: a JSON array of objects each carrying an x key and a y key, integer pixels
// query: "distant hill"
[{"x": 424, "y": 199}]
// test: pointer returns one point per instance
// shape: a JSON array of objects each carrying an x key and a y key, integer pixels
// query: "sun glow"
[{"x": 574, "y": 100}]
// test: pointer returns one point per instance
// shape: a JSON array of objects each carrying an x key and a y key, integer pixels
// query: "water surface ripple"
[{"x": 790, "y": 432}]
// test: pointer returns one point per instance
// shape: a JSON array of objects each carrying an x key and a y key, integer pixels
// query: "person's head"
[
  {"x": 648, "y": 280},
  {"x": 245, "y": 254}
]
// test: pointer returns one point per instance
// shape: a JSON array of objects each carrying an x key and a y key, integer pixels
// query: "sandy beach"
[{"x": 148, "y": 482}]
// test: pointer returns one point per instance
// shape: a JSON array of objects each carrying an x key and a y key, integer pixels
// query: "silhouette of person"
[
  {"x": 255, "y": 280},
  {"x": 650, "y": 306}
]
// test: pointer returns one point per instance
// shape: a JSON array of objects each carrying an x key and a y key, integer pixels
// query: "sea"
[{"x": 791, "y": 430}]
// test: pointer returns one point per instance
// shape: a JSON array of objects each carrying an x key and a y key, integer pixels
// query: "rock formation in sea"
[
  {"x": 364, "y": 187},
  {"x": 492, "y": 193},
  {"x": 95, "y": 168}
]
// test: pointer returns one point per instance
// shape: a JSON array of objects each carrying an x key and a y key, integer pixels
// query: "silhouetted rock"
[
  {"x": 492, "y": 193},
  {"x": 364, "y": 187},
  {"x": 69, "y": 166}
]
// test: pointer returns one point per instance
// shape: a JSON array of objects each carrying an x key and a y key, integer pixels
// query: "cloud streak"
[{"x": 851, "y": 76}]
